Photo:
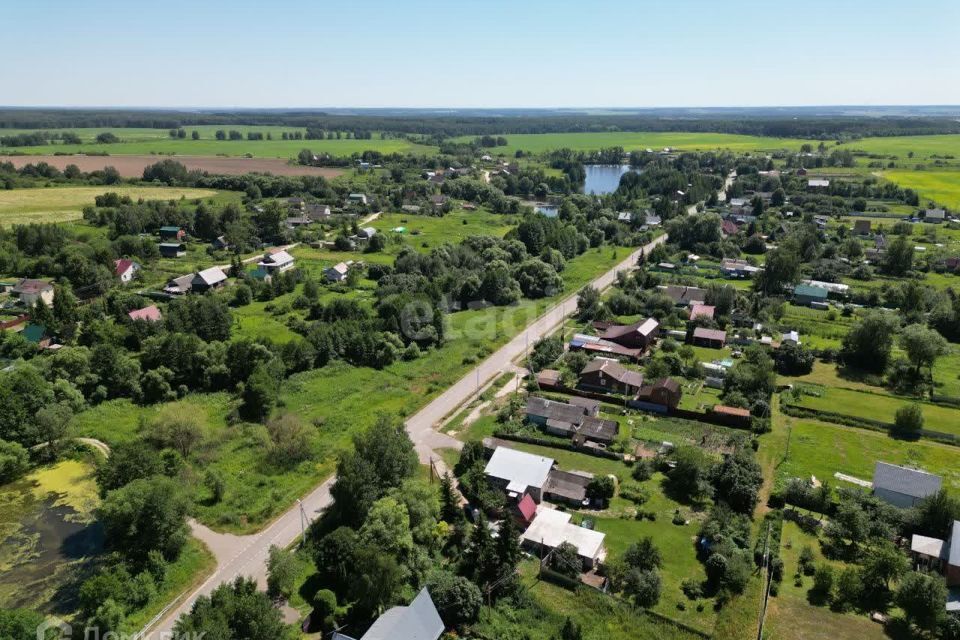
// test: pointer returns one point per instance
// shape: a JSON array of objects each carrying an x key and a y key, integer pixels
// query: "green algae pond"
[{"x": 48, "y": 536}]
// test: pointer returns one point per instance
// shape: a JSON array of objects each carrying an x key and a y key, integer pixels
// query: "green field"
[
  {"x": 942, "y": 187},
  {"x": 638, "y": 141},
  {"x": 923, "y": 147},
  {"x": 878, "y": 406},
  {"x": 427, "y": 232},
  {"x": 147, "y": 141},
  {"x": 62, "y": 204},
  {"x": 821, "y": 449}
]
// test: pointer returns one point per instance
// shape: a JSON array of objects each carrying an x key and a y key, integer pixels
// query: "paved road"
[{"x": 247, "y": 555}]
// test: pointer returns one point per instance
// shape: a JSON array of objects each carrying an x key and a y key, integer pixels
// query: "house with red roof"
[
  {"x": 147, "y": 314},
  {"x": 526, "y": 510},
  {"x": 125, "y": 269},
  {"x": 702, "y": 311}
]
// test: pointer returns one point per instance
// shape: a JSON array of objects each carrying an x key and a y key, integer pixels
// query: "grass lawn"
[
  {"x": 427, "y": 232},
  {"x": 878, "y": 406},
  {"x": 62, "y": 204},
  {"x": 821, "y": 449},
  {"x": 601, "y": 617},
  {"x": 676, "y": 544}
]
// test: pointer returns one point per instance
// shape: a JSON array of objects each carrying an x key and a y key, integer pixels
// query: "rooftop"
[
  {"x": 417, "y": 621},
  {"x": 519, "y": 469},
  {"x": 552, "y": 528},
  {"x": 906, "y": 481}
]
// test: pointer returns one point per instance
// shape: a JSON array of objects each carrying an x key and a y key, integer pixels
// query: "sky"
[{"x": 472, "y": 53}]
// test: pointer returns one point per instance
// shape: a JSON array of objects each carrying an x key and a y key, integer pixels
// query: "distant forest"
[{"x": 440, "y": 126}]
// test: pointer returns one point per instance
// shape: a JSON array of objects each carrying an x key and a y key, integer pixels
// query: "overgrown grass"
[
  {"x": 878, "y": 406},
  {"x": 62, "y": 204},
  {"x": 821, "y": 449}
]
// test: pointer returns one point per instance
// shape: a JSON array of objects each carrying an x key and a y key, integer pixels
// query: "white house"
[
  {"x": 125, "y": 269},
  {"x": 29, "y": 290},
  {"x": 338, "y": 272},
  {"x": 276, "y": 262},
  {"x": 517, "y": 472},
  {"x": 551, "y": 528}
]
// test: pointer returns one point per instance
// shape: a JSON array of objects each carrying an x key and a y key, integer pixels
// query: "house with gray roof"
[
  {"x": 517, "y": 472},
  {"x": 902, "y": 486},
  {"x": 417, "y": 621}
]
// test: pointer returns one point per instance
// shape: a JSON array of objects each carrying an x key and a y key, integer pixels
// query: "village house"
[
  {"x": 337, "y": 272},
  {"x": 683, "y": 296},
  {"x": 318, "y": 212},
  {"x": 276, "y": 262},
  {"x": 36, "y": 334},
  {"x": 417, "y": 621},
  {"x": 902, "y": 486},
  {"x": 358, "y": 198},
  {"x": 549, "y": 379},
  {"x": 609, "y": 376},
  {"x": 125, "y": 270},
  {"x": 861, "y": 227},
  {"x": 362, "y": 237},
  {"x": 212, "y": 278},
  {"x": 942, "y": 556},
  {"x": 172, "y": 234},
  {"x": 517, "y": 472},
  {"x": 807, "y": 295},
  {"x": 220, "y": 243},
  {"x": 147, "y": 314},
  {"x": 702, "y": 311},
  {"x": 29, "y": 290},
  {"x": 172, "y": 249},
  {"x": 817, "y": 184},
  {"x": 731, "y": 268},
  {"x": 641, "y": 334},
  {"x": 709, "y": 338},
  {"x": 577, "y": 420},
  {"x": 664, "y": 393},
  {"x": 551, "y": 528},
  {"x": 568, "y": 487},
  {"x": 296, "y": 204},
  {"x": 936, "y": 216},
  {"x": 299, "y": 221},
  {"x": 179, "y": 286},
  {"x": 729, "y": 228},
  {"x": 593, "y": 344}
]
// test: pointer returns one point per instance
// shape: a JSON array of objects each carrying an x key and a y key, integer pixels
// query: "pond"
[
  {"x": 549, "y": 210},
  {"x": 47, "y": 535},
  {"x": 603, "y": 178}
]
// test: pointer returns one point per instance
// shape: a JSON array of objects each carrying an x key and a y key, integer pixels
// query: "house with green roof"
[{"x": 806, "y": 295}]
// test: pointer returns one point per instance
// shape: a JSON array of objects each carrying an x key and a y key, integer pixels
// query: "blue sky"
[{"x": 490, "y": 53}]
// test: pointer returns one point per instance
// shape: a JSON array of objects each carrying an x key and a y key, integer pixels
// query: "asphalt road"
[{"x": 247, "y": 555}]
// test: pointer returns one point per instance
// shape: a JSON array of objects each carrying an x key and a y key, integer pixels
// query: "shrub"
[{"x": 909, "y": 418}]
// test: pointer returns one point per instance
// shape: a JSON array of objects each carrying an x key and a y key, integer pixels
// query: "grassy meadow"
[
  {"x": 821, "y": 449},
  {"x": 939, "y": 186},
  {"x": 64, "y": 204},
  {"x": 135, "y": 141},
  {"x": 638, "y": 141}
]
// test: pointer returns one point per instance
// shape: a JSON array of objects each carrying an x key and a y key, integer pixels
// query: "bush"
[
  {"x": 14, "y": 461},
  {"x": 909, "y": 418}
]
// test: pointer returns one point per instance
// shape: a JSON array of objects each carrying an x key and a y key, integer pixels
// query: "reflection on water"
[{"x": 602, "y": 179}]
